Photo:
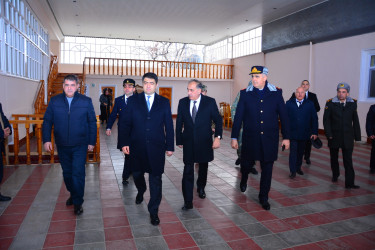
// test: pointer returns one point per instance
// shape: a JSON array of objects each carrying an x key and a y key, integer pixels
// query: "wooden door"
[{"x": 167, "y": 93}]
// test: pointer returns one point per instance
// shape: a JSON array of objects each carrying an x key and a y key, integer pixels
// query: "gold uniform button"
[
  {"x": 261, "y": 111},
  {"x": 261, "y": 133},
  {"x": 261, "y": 100},
  {"x": 261, "y": 122}
]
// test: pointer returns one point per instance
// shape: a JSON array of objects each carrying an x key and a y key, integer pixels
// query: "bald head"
[{"x": 300, "y": 93}]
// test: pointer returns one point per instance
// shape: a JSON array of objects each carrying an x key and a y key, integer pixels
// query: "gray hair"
[{"x": 198, "y": 83}]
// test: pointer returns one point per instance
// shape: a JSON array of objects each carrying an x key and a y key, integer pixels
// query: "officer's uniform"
[
  {"x": 259, "y": 112},
  {"x": 341, "y": 126},
  {"x": 119, "y": 108}
]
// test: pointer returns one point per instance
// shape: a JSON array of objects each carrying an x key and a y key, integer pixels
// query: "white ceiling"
[{"x": 187, "y": 21}]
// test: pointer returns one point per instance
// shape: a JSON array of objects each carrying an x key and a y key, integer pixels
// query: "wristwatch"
[{"x": 219, "y": 137}]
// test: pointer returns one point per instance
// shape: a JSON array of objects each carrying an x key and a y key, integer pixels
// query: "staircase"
[{"x": 57, "y": 84}]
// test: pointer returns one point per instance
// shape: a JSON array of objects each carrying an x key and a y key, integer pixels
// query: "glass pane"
[{"x": 372, "y": 63}]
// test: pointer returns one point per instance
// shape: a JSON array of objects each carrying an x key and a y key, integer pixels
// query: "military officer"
[
  {"x": 119, "y": 108},
  {"x": 259, "y": 109},
  {"x": 370, "y": 129},
  {"x": 341, "y": 126}
]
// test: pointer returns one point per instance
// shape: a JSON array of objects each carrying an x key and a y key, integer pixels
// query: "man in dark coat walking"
[
  {"x": 147, "y": 136},
  {"x": 5, "y": 131},
  {"x": 259, "y": 109},
  {"x": 119, "y": 109},
  {"x": 341, "y": 126},
  {"x": 74, "y": 121},
  {"x": 303, "y": 127},
  {"x": 370, "y": 129},
  {"x": 313, "y": 98},
  {"x": 194, "y": 134}
]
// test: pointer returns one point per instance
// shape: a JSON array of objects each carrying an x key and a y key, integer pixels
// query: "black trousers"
[
  {"x": 127, "y": 170},
  {"x": 295, "y": 154},
  {"x": 265, "y": 177},
  {"x": 188, "y": 179},
  {"x": 103, "y": 113},
  {"x": 155, "y": 184},
  {"x": 307, "y": 149},
  {"x": 1, "y": 165},
  {"x": 372, "y": 159},
  {"x": 348, "y": 164}
]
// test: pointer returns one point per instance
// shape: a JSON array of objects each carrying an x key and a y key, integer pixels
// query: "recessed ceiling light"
[
  {"x": 79, "y": 33},
  {"x": 246, "y": 20},
  {"x": 76, "y": 14},
  {"x": 227, "y": 28},
  {"x": 212, "y": 35},
  {"x": 74, "y": 1},
  {"x": 275, "y": 8}
]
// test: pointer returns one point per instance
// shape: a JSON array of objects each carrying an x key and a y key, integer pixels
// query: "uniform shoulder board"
[
  {"x": 243, "y": 89},
  {"x": 354, "y": 99},
  {"x": 278, "y": 88},
  {"x": 329, "y": 100}
]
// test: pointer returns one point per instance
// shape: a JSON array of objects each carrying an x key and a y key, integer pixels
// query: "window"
[
  {"x": 367, "y": 84},
  {"x": 247, "y": 43},
  {"x": 24, "y": 43},
  {"x": 75, "y": 49}
]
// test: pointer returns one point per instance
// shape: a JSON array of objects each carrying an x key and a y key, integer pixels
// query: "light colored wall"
[
  {"x": 221, "y": 90},
  {"x": 17, "y": 96},
  {"x": 332, "y": 62}
]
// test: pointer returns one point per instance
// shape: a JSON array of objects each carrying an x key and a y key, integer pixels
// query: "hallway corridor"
[{"x": 308, "y": 212}]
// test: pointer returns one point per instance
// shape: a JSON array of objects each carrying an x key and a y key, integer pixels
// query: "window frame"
[{"x": 364, "y": 86}]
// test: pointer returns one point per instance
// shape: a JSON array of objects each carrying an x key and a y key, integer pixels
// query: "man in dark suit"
[
  {"x": 74, "y": 121},
  {"x": 147, "y": 136},
  {"x": 5, "y": 131},
  {"x": 312, "y": 97},
  {"x": 259, "y": 109},
  {"x": 303, "y": 127},
  {"x": 370, "y": 129},
  {"x": 119, "y": 109},
  {"x": 194, "y": 134},
  {"x": 341, "y": 126}
]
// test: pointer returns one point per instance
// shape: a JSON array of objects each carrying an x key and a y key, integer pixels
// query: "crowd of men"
[{"x": 146, "y": 134}]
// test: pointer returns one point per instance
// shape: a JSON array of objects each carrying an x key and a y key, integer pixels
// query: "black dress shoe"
[
  {"x": 69, "y": 201},
  {"x": 125, "y": 182},
  {"x": 351, "y": 186},
  {"x": 4, "y": 198},
  {"x": 334, "y": 178},
  {"x": 265, "y": 205},
  {"x": 238, "y": 161},
  {"x": 292, "y": 175},
  {"x": 308, "y": 162},
  {"x": 78, "y": 209},
  {"x": 139, "y": 198},
  {"x": 154, "y": 219},
  {"x": 253, "y": 171},
  {"x": 201, "y": 193},
  {"x": 243, "y": 187},
  {"x": 300, "y": 172},
  {"x": 187, "y": 206}
]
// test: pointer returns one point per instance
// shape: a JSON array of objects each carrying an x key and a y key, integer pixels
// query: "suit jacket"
[
  {"x": 147, "y": 133},
  {"x": 196, "y": 138},
  {"x": 370, "y": 121},
  {"x": 260, "y": 118},
  {"x": 6, "y": 125},
  {"x": 312, "y": 97},
  {"x": 303, "y": 120},
  {"x": 118, "y": 109},
  {"x": 342, "y": 124},
  {"x": 72, "y": 126}
]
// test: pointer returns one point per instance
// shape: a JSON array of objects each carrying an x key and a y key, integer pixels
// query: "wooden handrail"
[
  {"x": 134, "y": 67},
  {"x": 36, "y": 120},
  {"x": 53, "y": 71}
]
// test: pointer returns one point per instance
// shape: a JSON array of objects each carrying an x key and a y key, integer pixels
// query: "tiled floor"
[{"x": 309, "y": 212}]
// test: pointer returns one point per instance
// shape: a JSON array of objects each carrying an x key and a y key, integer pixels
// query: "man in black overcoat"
[
  {"x": 370, "y": 129},
  {"x": 260, "y": 107},
  {"x": 5, "y": 131},
  {"x": 341, "y": 126},
  {"x": 194, "y": 134},
  {"x": 312, "y": 97}
]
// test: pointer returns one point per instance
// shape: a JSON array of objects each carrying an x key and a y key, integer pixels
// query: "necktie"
[
  {"x": 194, "y": 111},
  {"x": 342, "y": 104},
  {"x": 148, "y": 102},
  {"x": 299, "y": 103}
]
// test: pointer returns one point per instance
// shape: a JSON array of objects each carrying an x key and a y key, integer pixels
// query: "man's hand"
[
  {"x": 216, "y": 143},
  {"x": 372, "y": 137},
  {"x": 6, "y": 132},
  {"x": 125, "y": 150},
  {"x": 169, "y": 153},
  {"x": 285, "y": 142},
  {"x": 180, "y": 146},
  {"x": 108, "y": 132},
  {"x": 48, "y": 146},
  {"x": 90, "y": 148},
  {"x": 234, "y": 143},
  {"x": 313, "y": 137}
]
